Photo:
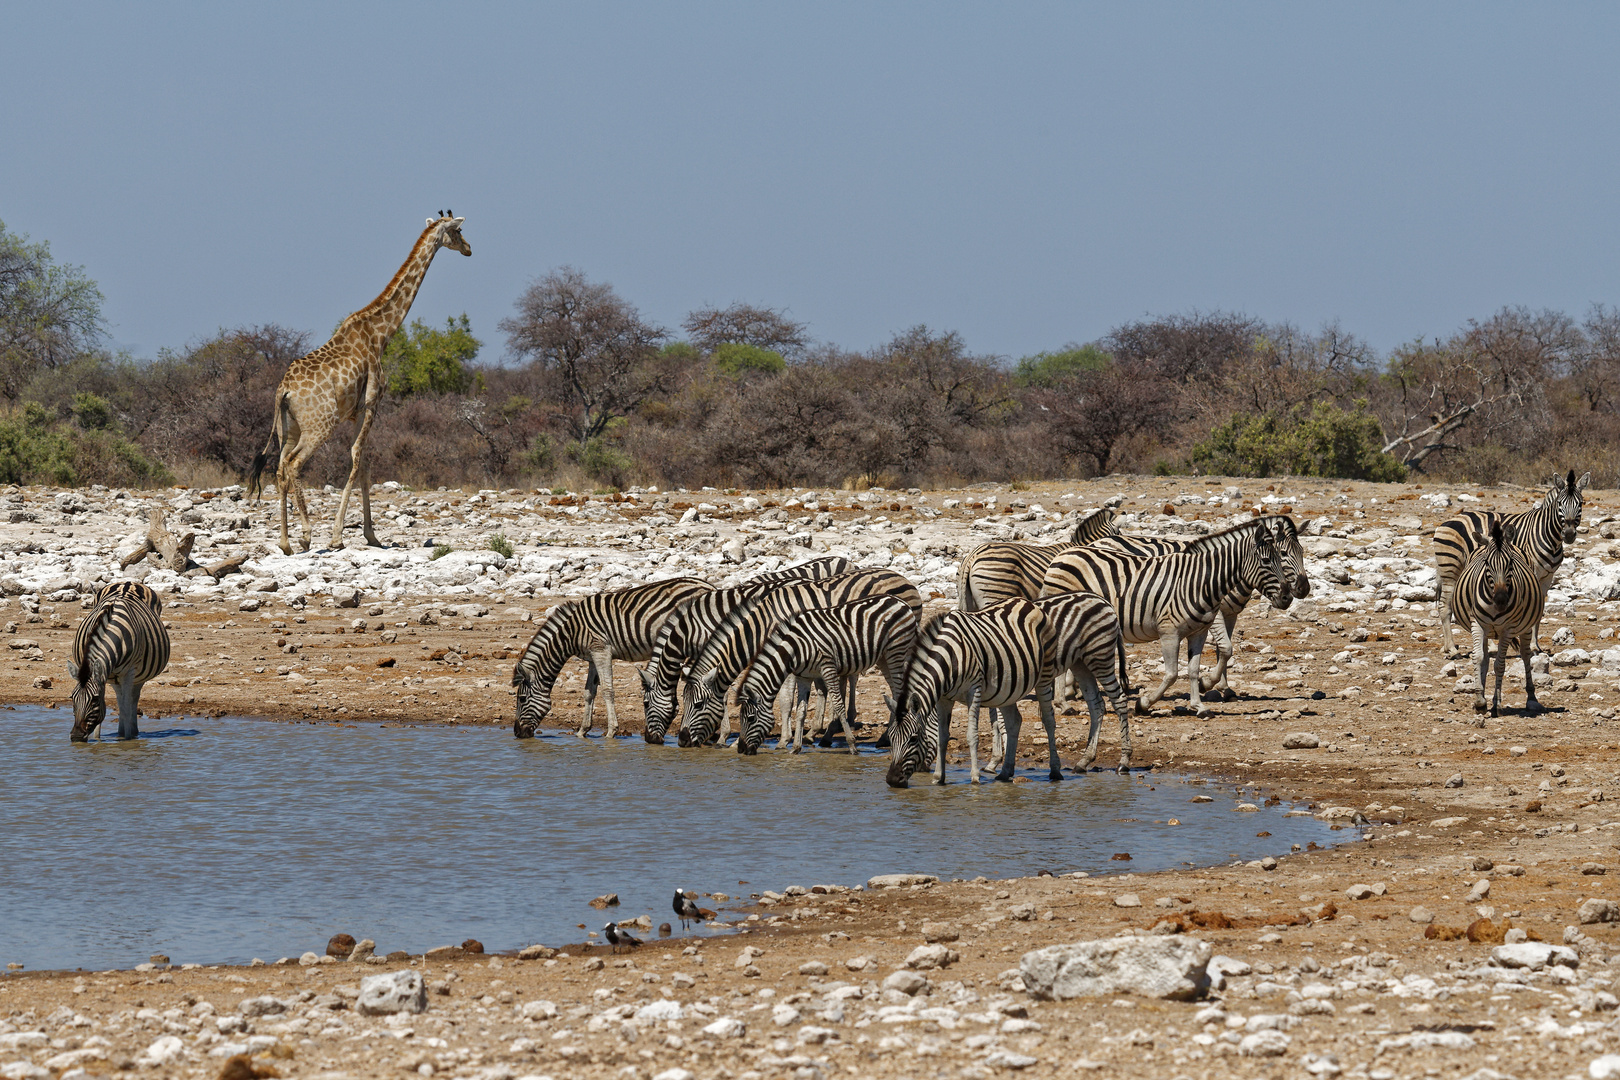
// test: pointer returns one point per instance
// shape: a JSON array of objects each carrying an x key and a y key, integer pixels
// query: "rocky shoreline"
[{"x": 1360, "y": 957}]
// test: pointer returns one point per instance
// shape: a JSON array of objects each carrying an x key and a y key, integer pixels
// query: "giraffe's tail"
[{"x": 263, "y": 457}]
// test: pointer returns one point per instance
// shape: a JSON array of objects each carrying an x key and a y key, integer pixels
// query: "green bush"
[
  {"x": 37, "y": 448},
  {"x": 1325, "y": 441},
  {"x": 440, "y": 551},
  {"x": 501, "y": 546},
  {"x": 541, "y": 456},
  {"x": 736, "y": 359},
  {"x": 602, "y": 461},
  {"x": 423, "y": 360},
  {"x": 1047, "y": 369}
]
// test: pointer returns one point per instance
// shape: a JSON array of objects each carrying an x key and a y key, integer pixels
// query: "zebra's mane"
[
  {"x": 87, "y": 633},
  {"x": 1210, "y": 539},
  {"x": 545, "y": 638}
]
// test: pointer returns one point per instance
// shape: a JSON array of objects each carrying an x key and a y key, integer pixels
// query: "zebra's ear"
[
  {"x": 894, "y": 706},
  {"x": 646, "y": 679},
  {"x": 1559, "y": 484},
  {"x": 686, "y": 671},
  {"x": 1586, "y": 478},
  {"x": 73, "y": 671}
]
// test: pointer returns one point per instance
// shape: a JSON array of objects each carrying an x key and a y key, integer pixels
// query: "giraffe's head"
[{"x": 449, "y": 232}]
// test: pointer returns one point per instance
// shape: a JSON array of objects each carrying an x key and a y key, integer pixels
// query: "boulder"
[
  {"x": 395, "y": 992},
  {"x": 907, "y": 982},
  {"x": 1598, "y": 911},
  {"x": 727, "y": 1027},
  {"x": 929, "y": 957},
  {"x": 1300, "y": 740},
  {"x": 1162, "y": 967},
  {"x": 664, "y": 1009},
  {"x": 1534, "y": 955},
  {"x": 896, "y": 881}
]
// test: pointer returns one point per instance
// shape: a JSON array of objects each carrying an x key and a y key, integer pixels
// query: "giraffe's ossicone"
[{"x": 342, "y": 381}]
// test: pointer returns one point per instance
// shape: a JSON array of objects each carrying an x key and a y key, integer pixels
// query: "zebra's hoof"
[{"x": 1054, "y": 775}]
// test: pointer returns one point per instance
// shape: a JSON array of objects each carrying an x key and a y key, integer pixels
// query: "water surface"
[{"x": 218, "y": 840}]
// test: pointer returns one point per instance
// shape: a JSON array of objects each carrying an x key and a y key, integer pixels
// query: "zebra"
[
  {"x": 736, "y": 641},
  {"x": 616, "y": 625},
  {"x": 1086, "y": 637},
  {"x": 1293, "y": 561},
  {"x": 122, "y": 641},
  {"x": 1497, "y": 595},
  {"x": 1001, "y": 570},
  {"x": 990, "y": 658},
  {"x": 689, "y": 625},
  {"x": 834, "y": 644},
  {"x": 1541, "y": 532},
  {"x": 1171, "y": 598}
]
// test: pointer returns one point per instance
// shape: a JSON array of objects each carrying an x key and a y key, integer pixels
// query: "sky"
[{"x": 1024, "y": 174}]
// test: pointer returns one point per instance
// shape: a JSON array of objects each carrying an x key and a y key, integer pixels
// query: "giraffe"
[{"x": 343, "y": 380}]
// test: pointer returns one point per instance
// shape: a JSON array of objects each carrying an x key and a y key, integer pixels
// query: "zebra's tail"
[
  {"x": 263, "y": 456},
  {"x": 1119, "y": 647}
]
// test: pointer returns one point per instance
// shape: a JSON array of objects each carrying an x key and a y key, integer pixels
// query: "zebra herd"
[{"x": 1029, "y": 617}]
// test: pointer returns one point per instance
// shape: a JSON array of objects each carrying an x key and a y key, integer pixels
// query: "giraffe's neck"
[{"x": 376, "y": 323}]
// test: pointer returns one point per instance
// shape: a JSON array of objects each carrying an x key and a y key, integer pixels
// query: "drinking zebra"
[
  {"x": 834, "y": 644},
  {"x": 1001, "y": 570},
  {"x": 1497, "y": 595},
  {"x": 1172, "y": 598},
  {"x": 738, "y": 638},
  {"x": 988, "y": 658},
  {"x": 121, "y": 641},
  {"x": 617, "y": 625},
  {"x": 1540, "y": 534},
  {"x": 1086, "y": 640},
  {"x": 1293, "y": 563},
  {"x": 688, "y": 627}
]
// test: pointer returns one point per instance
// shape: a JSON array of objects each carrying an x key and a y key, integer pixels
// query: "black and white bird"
[
  {"x": 686, "y": 908},
  {"x": 616, "y": 937}
]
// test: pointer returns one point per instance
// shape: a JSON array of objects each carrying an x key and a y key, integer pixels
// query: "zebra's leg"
[
  {"x": 1501, "y": 663},
  {"x": 1054, "y": 765},
  {"x": 602, "y": 661},
  {"x": 1444, "y": 604},
  {"x": 1195, "y": 656},
  {"x": 1531, "y": 705},
  {"x": 1094, "y": 706},
  {"x": 1214, "y": 684},
  {"x": 942, "y": 722},
  {"x": 1482, "y": 654},
  {"x": 1169, "y": 647},
  {"x": 973, "y": 736},
  {"x": 1014, "y": 723},
  {"x": 998, "y": 740},
  {"x": 832, "y": 677},
  {"x": 588, "y": 720},
  {"x": 129, "y": 695}
]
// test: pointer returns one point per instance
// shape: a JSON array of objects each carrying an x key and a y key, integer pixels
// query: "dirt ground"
[{"x": 1457, "y": 822}]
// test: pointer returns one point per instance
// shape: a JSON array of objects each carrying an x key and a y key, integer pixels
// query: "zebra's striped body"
[
  {"x": 988, "y": 658},
  {"x": 686, "y": 630},
  {"x": 1172, "y": 598},
  {"x": 1540, "y": 534},
  {"x": 810, "y": 570},
  {"x": 599, "y": 629},
  {"x": 1086, "y": 640},
  {"x": 1293, "y": 564},
  {"x": 737, "y": 640},
  {"x": 1497, "y": 595},
  {"x": 1001, "y": 570},
  {"x": 834, "y": 644},
  {"x": 121, "y": 641}
]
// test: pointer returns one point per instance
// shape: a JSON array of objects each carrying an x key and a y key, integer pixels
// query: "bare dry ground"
[{"x": 1521, "y": 804}]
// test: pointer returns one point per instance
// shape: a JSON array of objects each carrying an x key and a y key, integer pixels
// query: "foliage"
[
  {"x": 1047, "y": 369},
  {"x": 440, "y": 551},
  {"x": 38, "y": 448},
  {"x": 422, "y": 360},
  {"x": 501, "y": 546},
  {"x": 602, "y": 461},
  {"x": 49, "y": 313},
  {"x": 738, "y": 360},
  {"x": 541, "y": 456},
  {"x": 1324, "y": 441},
  {"x": 768, "y": 329}
]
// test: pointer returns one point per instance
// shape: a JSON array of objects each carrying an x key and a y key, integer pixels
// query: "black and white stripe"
[
  {"x": 1001, "y": 570},
  {"x": 1292, "y": 553},
  {"x": 833, "y": 644},
  {"x": 691, "y": 624},
  {"x": 1086, "y": 639},
  {"x": 1176, "y": 598},
  {"x": 618, "y": 625},
  {"x": 1497, "y": 596},
  {"x": 738, "y": 638},
  {"x": 121, "y": 641},
  {"x": 1540, "y": 533},
  {"x": 989, "y": 658}
]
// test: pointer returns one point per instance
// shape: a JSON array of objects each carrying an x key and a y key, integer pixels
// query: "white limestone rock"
[
  {"x": 395, "y": 992},
  {"x": 1162, "y": 967}
]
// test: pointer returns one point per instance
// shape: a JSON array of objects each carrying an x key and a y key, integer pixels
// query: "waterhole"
[{"x": 220, "y": 840}]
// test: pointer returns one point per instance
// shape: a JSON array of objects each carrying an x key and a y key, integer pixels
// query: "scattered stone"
[
  {"x": 1455, "y": 780},
  {"x": 340, "y": 946},
  {"x": 537, "y": 952},
  {"x": 1420, "y": 914},
  {"x": 1300, "y": 740},
  {"x": 473, "y": 947},
  {"x": 1606, "y": 1067},
  {"x": 1534, "y": 955},
  {"x": 1598, "y": 911},
  {"x": 929, "y": 957},
  {"x": 938, "y": 931},
  {"x": 395, "y": 992},
  {"x": 908, "y": 983},
  {"x": 727, "y": 1027},
  {"x": 1162, "y": 967},
  {"x": 364, "y": 949},
  {"x": 1359, "y": 892},
  {"x": 1007, "y": 1059},
  {"x": 1481, "y": 889},
  {"x": 1265, "y": 1043},
  {"x": 896, "y": 881},
  {"x": 1129, "y": 900},
  {"x": 813, "y": 967},
  {"x": 610, "y": 900}
]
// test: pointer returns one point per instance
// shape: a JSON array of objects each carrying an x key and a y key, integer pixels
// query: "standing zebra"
[
  {"x": 1293, "y": 564},
  {"x": 834, "y": 644},
  {"x": 987, "y": 658},
  {"x": 1171, "y": 598},
  {"x": 1540, "y": 533},
  {"x": 617, "y": 625},
  {"x": 1497, "y": 595},
  {"x": 684, "y": 632},
  {"x": 738, "y": 638},
  {"x": 1086, "y": 637},
  {"x": 1001, "y": 570},
  {"x": 121, "y": 641}
]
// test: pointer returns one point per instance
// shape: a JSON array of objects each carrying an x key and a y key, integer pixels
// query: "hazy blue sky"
[{"x": 1025, "y": 174}]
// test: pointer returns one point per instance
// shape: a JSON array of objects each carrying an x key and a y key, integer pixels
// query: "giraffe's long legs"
[
  {"x": 365, "y": 506},
  {"x": 356, "y": 452}
]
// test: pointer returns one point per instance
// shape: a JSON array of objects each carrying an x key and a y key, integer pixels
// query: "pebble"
[
  {"x": 1128, "y": 900},
  {"x": 1420, "y": 914}
]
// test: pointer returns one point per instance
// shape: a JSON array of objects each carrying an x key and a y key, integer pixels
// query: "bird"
[
  {"x": 686, "y": 908},
  {"x": 616, "y": 937}
]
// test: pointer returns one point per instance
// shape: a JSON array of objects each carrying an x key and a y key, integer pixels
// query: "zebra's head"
[
  {"x": 1566, "y": 495},
  {"x": 908, "y": 718},
  {"x": 1293, "y": 555},
  {"x": 1497, "y": 578},
  {"x": 702, "y": 708},
  {"x": 658, "y": 704},
  {"x": 533, "y": 701},
  {"x": 89, "y": 700},
  {"x": 755, "y": 723},
  {"x": 1267, "y": 574}
]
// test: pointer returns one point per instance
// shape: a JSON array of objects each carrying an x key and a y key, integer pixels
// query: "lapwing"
[
  {"x": 616, "y": 937},
  {"x": 686, "y": 908}
]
